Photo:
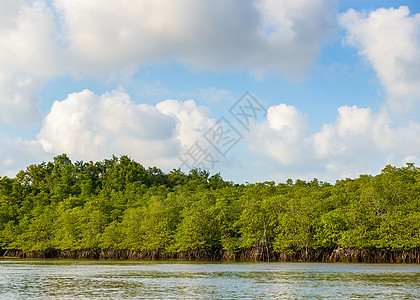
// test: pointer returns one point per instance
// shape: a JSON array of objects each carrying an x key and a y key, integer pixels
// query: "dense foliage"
[{"x": 118, "y": 204}]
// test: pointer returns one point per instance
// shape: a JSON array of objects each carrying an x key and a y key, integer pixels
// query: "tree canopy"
[{"x": 119, "y": 204}]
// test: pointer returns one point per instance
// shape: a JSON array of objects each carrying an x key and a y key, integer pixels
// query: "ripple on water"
[{"x": 58, "y": 279}]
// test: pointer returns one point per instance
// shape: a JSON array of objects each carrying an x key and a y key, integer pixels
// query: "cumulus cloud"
[
  {"x": 193, "y": 120},
  {"x": 87, "y": 126},
  {"x": 390, "y": 40},
  {"x": 92, "y": 127},
  {"x": 359, "y": 141},
  {"x": 282, "y": 136}
]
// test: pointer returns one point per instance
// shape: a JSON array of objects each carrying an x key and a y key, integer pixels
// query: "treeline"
[{"x": 118, "y": 205}]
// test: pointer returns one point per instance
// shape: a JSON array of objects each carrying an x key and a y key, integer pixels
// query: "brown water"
[{"x": 66, "y": 279}]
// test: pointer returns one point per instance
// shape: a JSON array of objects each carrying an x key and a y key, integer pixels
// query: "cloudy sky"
[{"x": 334, "y": 85}]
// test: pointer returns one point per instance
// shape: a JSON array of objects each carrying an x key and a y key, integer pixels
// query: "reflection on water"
[{"x": 55, "y": 279}]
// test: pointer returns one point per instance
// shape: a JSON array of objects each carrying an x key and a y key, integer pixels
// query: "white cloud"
[
  {"x": 260, "y": 36},
  {"x": 390, "y": 40},
  {"x": 353, "y": 120},
  {"x": 193, "y": 120},
  {"x": 282, "y": 136},
  {"x": 91, "y": 127},
  {"x": 359, "y": 141},
  {"x": 102, "y": 37}
]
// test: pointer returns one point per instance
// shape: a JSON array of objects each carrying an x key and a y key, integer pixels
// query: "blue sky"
[{"x": 340, "y": 81}]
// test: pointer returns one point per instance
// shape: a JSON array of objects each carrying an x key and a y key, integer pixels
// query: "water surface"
[{"x": 67, "y": 279}]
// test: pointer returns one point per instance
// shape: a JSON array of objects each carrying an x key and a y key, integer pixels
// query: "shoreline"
[{"x": 337, "y": 255}]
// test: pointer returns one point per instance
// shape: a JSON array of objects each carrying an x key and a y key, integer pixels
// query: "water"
[{"x": 65, "y": 279}]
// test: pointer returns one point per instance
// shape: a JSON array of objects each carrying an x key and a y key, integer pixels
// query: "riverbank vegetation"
[{"x": 116, "y": 208}]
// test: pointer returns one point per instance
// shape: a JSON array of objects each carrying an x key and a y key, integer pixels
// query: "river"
[{"x": 84, "y": 279}]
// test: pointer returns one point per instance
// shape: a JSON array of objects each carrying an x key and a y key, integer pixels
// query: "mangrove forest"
[{"x": 118, "y": 209}]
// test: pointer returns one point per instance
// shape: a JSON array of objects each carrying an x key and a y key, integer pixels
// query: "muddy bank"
[{"x": 253, "y": 254}]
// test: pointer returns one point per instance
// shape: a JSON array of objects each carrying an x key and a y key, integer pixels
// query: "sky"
[{"x": 256, "y": 90}]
